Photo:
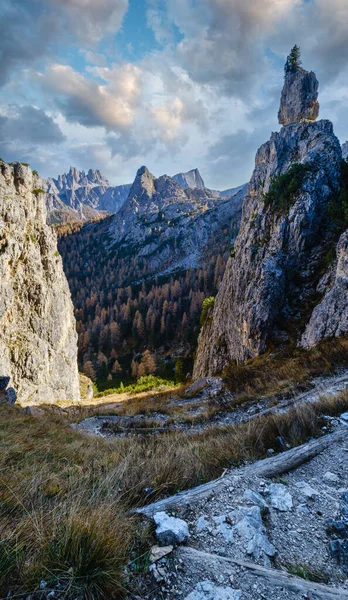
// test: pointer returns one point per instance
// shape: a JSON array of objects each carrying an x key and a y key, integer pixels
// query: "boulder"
[
  {"x": 170, "y": 531},
  {"x": 299, "y": 99}
]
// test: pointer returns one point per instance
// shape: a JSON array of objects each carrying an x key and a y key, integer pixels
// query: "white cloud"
[{"x": 84, "y": 100}]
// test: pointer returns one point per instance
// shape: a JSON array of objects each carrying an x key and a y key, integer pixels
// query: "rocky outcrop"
[
  {"x": 345, "y": 150},
  {"x": 330, "y": 316},
  {"x": 267, "y": 283},
  {"x": 299, "y": 99},
  {"x": 77, "y": 195},
  {"x": 38, "y": 340},
  {"x": 169, "y": 226},
  {"x": 191, "y": 179}
]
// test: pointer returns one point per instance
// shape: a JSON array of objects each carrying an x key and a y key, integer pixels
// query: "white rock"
[
  {"x": 206, "y": 590},
  {"x": 202, "y": 524},
  {"x": 331, "y": 477},
  {"x": 170, "y": 531},
  {"x": 344, "y": 417},
  {"x": 256, "y": 498},
  {"x": 158, "y": 552},
  {"x": 280, "y": 497},
  {"x": 306, "y": 489}
]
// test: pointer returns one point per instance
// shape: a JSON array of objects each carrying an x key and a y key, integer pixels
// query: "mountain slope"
[
  {"x": 269, "y": 285},
  {"x": 167, "y": 224}
]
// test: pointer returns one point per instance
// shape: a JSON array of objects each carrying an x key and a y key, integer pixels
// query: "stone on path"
[
  {"x": 170, "y": 531},
  {"x": 280, "y": 497}
]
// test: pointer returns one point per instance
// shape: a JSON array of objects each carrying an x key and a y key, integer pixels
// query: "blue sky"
[{"x": 173, "y": 84}]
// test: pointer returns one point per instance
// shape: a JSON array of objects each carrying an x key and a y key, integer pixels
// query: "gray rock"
[
  {"x": 248, "y": 529},
  {"x": 38, "y": 340},
  {"x": 299, "y": 99},
  {"x": 280, "y": 498},
  {"x": 170, "y": 531},
  {"x": 306, "y": 489},
  {"x": 344, "y": 416},
  {"x": 207, "y": 590},
  {"x": 256, "y": 498}
]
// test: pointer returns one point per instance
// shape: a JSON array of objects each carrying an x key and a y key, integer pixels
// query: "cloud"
[
  {"x": 32, "y": 29},
  {"x": 29, "y": 125},
  {"x": 227, "y": 48},
  {"x": 86, "y": 101}
]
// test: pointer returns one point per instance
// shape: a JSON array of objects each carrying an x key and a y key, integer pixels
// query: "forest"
[{"x": 129, "y": 322}]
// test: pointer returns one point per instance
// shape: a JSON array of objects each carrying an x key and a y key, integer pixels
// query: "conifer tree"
[{"x": 293, "y": 61}]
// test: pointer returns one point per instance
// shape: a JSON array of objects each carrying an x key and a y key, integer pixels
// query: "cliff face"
[
  {"x": 268, "y": 282},
  {"x": 38, "y": 340}
]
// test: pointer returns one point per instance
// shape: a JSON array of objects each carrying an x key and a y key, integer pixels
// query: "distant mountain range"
[{"x": 81, "y": 196}]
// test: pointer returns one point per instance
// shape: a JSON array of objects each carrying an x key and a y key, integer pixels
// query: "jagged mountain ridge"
[
  {"x": 38, "y": 340},
  {"x": 271, "y": 281},
  {"x": 81, "y": 196},
  {"x": 77, "y": 195},
  {"x": 170, "y": 225}
]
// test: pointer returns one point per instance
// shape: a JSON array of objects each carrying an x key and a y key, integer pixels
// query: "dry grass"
[
  {"x": 64, "y": 497},
  {"x": 285, "y": 371}
]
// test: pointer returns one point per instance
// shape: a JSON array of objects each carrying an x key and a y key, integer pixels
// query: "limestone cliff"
[
  {"x": 268, "y": 283},
  {"x": 38, "y": 341}
]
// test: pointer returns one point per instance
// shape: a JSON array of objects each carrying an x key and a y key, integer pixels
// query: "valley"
[{"x": 174, "y": 375}]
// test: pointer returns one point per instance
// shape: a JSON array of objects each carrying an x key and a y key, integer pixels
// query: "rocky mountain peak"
[
  {"x": 144, "y": 183},
  {"x": 191, "y": 179},
  {"x": 299, "y": 98},
  {"x": 285, "y": 226}
]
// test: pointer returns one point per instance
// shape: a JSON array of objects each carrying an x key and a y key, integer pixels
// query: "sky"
[{"x": 170, "y": 84}]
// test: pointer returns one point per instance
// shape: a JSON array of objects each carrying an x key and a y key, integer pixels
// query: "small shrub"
[
  {"x": 208, "y": 303},
  {"x": 35, "y": 172},
  {"x": 338, "y": 206},
  {"x": 38, "y": 191},
  {"x": 284, "y": 188}
]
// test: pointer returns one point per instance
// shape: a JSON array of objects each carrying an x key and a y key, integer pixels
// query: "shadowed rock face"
[
  {"x": 330, "y": 316},
  {"x": 299, "y": 99},
  {"x": 38, "y": 340}
]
